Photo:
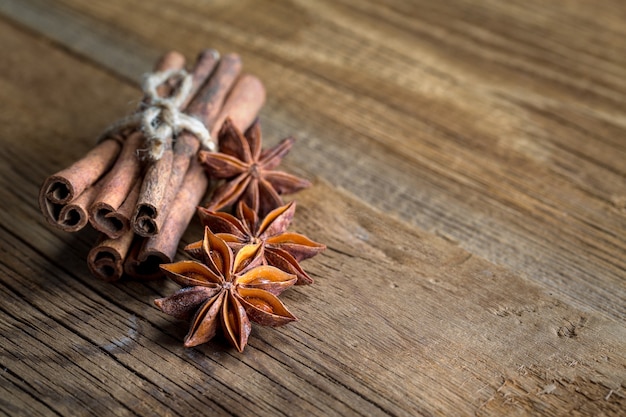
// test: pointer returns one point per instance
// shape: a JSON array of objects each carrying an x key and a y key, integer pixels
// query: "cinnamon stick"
[
  {"x": 155, "y": 184},
  {"x": 116, "y": 187},
  {"x": 68, "y": 184},
  {"x": 103, "y": 211},
  {"x": 242, "y": 105},
  {"x": 152, "y": 208},
  {"x": 106, "y": 258},
  {"x": 107, "y": 182},
  {"x": 117, "y": 222},
  {"x": 144, "y": 262},
  {"x": 74, "y": 216},
  {"x": 171, "y": 60},
  {"x": 204, "y": 66},
  {"x": 245, "y": 102}
]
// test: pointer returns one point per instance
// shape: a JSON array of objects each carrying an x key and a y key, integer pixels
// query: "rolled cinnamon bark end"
[
  {"x": 144, "y": 265},
  {"x": 57, "y": 189},
  {"x": 242, "y": 104},
  {"x": 116, "y": 187},
  {"x": 104, "y": 218},
  {"x": 182, "y": 210},
  {"x": 106, "y": 259},
  {"x": 111, "y": 221},
  {"x": 69, "y": 217},
  {"x": 65, "y": 185},
  {"x": 153, "y": 188},
  {"x": 144, "y": 223},
  {"x": 74, "y": 215}
]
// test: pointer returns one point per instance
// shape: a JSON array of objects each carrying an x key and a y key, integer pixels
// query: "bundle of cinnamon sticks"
[{"x": 140, "y": 205}]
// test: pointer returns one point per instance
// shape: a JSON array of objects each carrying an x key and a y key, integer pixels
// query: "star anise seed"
[
  {"x": 280, "y": 248},
  {"x": 248, "y": 171},
  {"x": 226, "y": 290}
]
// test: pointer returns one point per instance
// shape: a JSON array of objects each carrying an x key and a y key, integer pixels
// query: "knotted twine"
[{"x": 160, "y": 118}]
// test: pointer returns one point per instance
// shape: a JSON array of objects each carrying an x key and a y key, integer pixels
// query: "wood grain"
[
  {"x": 526, "y": 140},
  {"x": 470, "y": 184}
]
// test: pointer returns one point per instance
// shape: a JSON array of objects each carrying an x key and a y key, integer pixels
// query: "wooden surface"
[{"x": 469, "y": 161}]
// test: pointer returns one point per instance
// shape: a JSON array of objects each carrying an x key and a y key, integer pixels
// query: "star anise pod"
[
  {"x": 227, "y": 291},
  {"x": 248, "y": 171},
  {"x": 280, "y": 248}
]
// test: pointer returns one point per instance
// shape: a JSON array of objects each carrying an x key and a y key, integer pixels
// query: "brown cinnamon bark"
[
  {"x": 104, "y": 183},
  {"x": 204, "y": 66},
  {"x": 116, "y": 222},
  {"x": 210, "y": 99},
  {"x": 106, "y": 258},
  {"x": 144, "y": 263},
  {"x": 155, "y": 184},
  {"x": 242, "y": 105},
  {"x": 153, "y": 209},
  {"x": 171, "y": 60},
  {"x": 67, "y": 185},
  {"x": 116, "y": 187},
  {"x": 74, "y": 215}
]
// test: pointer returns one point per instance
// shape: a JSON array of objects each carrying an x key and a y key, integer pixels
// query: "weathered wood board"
[{"x": 469, "y": 173}]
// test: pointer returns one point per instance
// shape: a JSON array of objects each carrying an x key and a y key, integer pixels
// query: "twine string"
[{"x": 159, "y": 118}]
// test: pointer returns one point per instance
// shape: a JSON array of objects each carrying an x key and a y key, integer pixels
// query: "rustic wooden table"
[{"x": 469, "y": 169}]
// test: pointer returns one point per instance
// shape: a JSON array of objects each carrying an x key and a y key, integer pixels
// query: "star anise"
[
  {"x": 226, "y": 290},
  {"x": 248, "y": 171},
  {"x": 280, "y": 248}
]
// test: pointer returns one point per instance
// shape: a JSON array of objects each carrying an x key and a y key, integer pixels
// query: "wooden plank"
[
  {"x": 400, "y": 321},
  {"x": 490, "y": 125},
  {"x": 68, "y": 29},
  {"x": 410, "y": 309}
]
